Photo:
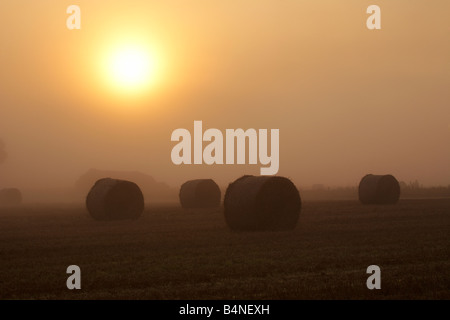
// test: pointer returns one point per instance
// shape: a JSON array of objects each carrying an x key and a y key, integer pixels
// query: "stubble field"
[{"x": 170, "y": 253}]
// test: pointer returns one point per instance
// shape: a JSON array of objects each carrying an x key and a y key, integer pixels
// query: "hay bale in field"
[
  {"x": 262, "y": 203},
  {"x": 379, "y": 189},
  {"x": 10, "y": 197},
  {"x": 200, "y": 193},
  {"x": 113, "y": 199}
]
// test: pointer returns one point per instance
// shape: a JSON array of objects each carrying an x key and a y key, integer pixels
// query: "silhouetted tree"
[
  {"x": 3, "y": 154},
  {"x": 415, "y": 185}
]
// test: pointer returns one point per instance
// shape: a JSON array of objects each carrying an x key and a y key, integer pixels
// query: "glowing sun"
[{"x": 131, "y": 68}]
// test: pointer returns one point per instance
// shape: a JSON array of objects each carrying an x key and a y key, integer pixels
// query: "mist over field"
[
  {"x": 347, "y": 101},
  {"x": 232, "y": 149}
]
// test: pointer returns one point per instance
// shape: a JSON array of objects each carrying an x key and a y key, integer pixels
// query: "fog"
[{"x": 347, "y": 100}]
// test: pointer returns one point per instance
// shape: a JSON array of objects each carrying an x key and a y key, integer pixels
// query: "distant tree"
[
  {"x": 415, "y": 184},
  {"x": 3, "y": 154}
]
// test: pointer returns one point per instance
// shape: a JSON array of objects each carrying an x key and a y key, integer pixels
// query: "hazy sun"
[{"x": 131, "y": 68}]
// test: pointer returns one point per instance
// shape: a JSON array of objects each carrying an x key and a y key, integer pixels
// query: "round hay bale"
[
  {"x": 112, "y": 199},
  {"x": 259, "y": 203},
  {"x": 379, "y": 189},
  {"x": 10, "y": 197},
  {"x": 200, "y": 193}
]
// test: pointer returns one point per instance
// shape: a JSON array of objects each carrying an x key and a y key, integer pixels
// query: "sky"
[{"x": 347, "y": 100}]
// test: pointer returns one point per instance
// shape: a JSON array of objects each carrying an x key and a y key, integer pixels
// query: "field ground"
[{"x": 170, "y": 253}]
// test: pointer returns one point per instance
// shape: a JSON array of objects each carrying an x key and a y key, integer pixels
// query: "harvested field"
[{"x": 168, "y": 254}]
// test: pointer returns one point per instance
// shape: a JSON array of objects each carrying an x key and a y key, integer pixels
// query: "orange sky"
[{"x": 347, "y": 101}]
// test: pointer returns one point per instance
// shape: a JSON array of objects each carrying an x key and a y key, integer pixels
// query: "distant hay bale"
[
  {"x": 113, "y": 199},
  {"x": 379, "y": 189},
  {"x": 262, "y": 203},
  {"x": 10, "y": 197},
  {"x": 201, "y": 193}
]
